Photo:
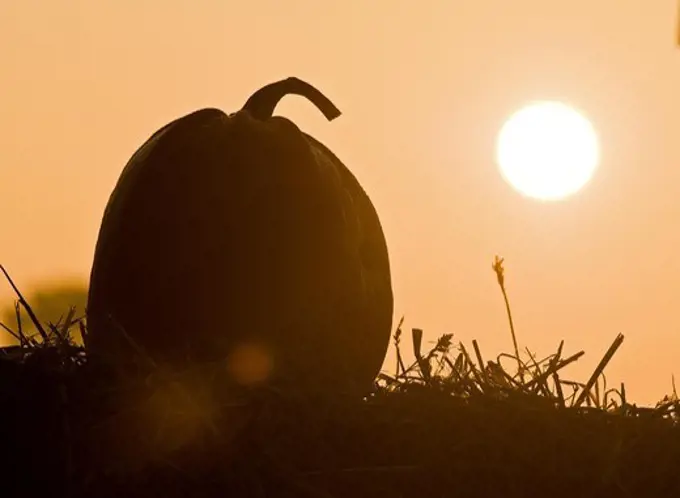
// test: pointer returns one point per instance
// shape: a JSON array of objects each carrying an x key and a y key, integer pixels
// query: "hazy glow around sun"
[{"x": 547, "y": 150}]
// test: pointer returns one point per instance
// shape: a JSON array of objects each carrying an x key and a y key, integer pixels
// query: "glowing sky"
[{"x": 424, "y": 92}]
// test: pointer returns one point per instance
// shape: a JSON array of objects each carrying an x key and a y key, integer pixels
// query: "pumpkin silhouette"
[{"x": 242, "y": 234}]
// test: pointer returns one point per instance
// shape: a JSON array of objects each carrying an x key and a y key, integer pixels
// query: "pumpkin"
[{"x": 240, "y": 238}]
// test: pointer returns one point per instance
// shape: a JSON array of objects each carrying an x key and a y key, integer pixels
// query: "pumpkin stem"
[{"x": 261, "y": 104}]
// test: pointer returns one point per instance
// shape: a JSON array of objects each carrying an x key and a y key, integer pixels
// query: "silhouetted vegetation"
[
  {"x": 50, "y": 303},
  {"x": 451, "y": 423}
]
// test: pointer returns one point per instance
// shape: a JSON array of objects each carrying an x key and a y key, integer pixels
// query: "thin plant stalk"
[{"x": 497, "y": 267}]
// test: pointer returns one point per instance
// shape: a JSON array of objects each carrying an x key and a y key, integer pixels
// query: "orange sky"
[{"x": 423, "y": 92}]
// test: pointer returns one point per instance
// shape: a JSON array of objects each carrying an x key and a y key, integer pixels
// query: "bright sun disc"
[{"x": 547, "y": 150}]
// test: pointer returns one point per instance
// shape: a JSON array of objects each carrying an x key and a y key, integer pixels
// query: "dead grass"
[{"x": 451, "y": 423}]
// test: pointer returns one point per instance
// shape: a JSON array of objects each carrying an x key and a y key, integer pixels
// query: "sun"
[{"x": 547, "y": 150}]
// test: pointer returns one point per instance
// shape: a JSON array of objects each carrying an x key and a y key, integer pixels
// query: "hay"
[{"x": 449, "y": 424}]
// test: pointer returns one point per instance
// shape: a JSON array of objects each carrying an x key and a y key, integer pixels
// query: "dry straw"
[{"x": 452, "y": 419}]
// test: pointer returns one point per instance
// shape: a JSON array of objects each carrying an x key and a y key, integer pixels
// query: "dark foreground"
[{"x": 466, "y": 432}]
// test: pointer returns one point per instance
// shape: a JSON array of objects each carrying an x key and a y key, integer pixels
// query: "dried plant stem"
[
  {"x": 10, "y": 332},
  {"x": 26, "y": 306},
  {"x": 600, "y": 368},
  {"x": 498, "y": 268},
  {"x": 512, "y": 330}
]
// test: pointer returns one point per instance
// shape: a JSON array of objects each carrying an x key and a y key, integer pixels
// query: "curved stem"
[{"x": 261, "y": 104}]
